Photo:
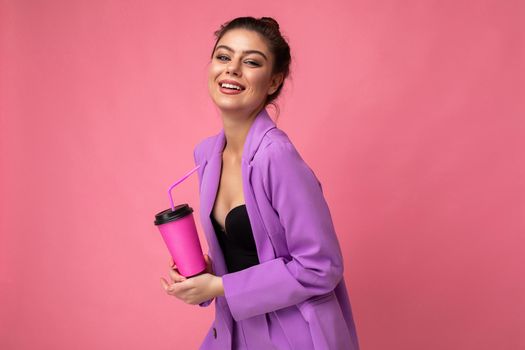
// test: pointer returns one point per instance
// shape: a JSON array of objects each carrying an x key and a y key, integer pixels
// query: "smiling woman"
[
  {"x": 275, "y": 268},
  {"x": 244, "y": 59}
]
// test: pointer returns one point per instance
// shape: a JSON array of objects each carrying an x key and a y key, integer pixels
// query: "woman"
[{"x": 275, "y": 267}]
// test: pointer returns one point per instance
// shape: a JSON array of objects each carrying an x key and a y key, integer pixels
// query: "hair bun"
[{"x": 270, "y": 21}]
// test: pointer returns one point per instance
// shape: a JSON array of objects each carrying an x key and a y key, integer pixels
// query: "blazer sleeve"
[
  {"x": 316, "y": 264},
  {"x": 198, "y": 160}
]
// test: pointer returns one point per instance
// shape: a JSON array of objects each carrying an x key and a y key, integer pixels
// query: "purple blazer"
[{"x": 298, "y": 288}]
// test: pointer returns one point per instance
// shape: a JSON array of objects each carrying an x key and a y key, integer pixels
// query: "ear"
[{"x": 276, "y": 81}]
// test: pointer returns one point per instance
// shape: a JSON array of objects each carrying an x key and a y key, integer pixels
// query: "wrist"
[{"x": 219, "y": 287}]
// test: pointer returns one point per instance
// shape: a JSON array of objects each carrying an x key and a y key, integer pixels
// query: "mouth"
[{"x": 230, "y": 86}]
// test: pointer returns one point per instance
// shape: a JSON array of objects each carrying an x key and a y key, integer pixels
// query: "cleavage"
[{"x": 223, "y": 228}]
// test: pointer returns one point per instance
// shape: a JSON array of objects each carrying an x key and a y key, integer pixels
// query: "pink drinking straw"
[{"x": 178, "y": 182}]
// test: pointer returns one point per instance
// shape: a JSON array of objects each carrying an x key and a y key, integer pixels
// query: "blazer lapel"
[
  {"x": 210, "y": 184},
  {"x": 261, "y": 125},
  {"x": 210, "y": 177}
]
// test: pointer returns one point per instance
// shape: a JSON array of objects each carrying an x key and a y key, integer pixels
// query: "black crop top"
[{"x": 237, "y": 243}]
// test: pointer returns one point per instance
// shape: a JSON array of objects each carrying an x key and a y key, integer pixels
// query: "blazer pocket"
[
  {"x": 294, "y": 326},
  {"x": 326, "y": 322},
  {"x": 323, "y": 298}
]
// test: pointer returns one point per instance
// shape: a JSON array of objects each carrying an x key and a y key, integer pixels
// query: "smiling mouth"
[{"x": 231, "y": 87}]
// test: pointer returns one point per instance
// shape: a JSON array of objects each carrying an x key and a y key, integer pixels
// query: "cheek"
[
  {"x": 213, "y": 72},
  {"x": 260, "y": 79},
  {"x": 212, "y": 77},
  {"x": 260, "y": 83}
]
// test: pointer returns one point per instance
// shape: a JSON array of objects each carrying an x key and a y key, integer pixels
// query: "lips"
[
  {"x": 228, "y": 91},
  {"x": 232, "y": 82}
]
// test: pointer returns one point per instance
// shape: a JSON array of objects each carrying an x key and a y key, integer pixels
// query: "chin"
[{"x": 228, "y": 105}]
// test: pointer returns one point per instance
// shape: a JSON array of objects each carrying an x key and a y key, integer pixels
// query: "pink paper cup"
[{"x": 179, "y": 232}]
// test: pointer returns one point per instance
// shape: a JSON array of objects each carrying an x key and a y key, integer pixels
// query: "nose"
[{"x": 233, "y": 68}]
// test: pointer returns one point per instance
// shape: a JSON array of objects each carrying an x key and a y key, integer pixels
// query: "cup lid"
[{"x": 169, "y": 215}]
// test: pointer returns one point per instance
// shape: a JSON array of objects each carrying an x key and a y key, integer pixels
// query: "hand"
[
  {"x": 197, "y": 289},
  {"x": 175, "y": 276},
  {"x": 209, "y": 264},
  {"x": 194, "y": 290}
]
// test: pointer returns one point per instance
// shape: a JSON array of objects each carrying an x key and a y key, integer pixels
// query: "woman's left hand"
[{"x": 197, "y": 289}]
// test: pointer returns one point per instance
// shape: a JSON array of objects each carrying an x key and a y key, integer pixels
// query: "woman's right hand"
[{"x": 175, "y": 276}]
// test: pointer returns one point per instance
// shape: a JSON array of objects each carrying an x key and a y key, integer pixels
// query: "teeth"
[{"x": 231, "y": 86}]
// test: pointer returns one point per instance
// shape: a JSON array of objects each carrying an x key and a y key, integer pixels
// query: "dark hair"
[{"x": 268, "y": 28}]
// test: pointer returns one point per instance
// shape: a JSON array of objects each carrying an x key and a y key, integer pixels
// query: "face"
[{"x": 243, "y": 59}]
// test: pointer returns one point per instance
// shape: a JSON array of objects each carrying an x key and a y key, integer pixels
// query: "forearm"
[{"x": 252, "y": 292}]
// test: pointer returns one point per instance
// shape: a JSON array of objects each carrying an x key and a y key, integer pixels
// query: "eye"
[
  {"x": 224, "y": 58},
  {"x": 220, "y": 57},
  {"x": 253, "y": 63}
]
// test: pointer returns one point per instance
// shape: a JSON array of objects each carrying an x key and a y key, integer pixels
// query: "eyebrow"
[{"x": 244, "y": 52}]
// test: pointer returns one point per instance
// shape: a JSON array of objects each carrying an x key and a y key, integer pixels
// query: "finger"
[
  {"x": 175, "y": 276},
  {"x": 175, "y": 289},
  {"x": 208, "y": 261},
  {"x": 164, "y": 284},
  {"x": 172, "y": 263},
  {"x": 209, "y": 264}
]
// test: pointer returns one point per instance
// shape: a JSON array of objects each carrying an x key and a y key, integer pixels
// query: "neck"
[{"x": 236, "y": 127}]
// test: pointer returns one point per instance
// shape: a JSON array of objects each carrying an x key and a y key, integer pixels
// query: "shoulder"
[
  {"x": 276, "y": 146},
  {"x": 282, "y": 168},
  {"x": 202, "y": 150},
  {"x": 277, "y": 158}
]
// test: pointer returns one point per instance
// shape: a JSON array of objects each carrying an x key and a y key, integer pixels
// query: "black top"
[{"x": 237, "y": 243}]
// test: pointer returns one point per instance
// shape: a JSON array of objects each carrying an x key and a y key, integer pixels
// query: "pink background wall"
[{"x": 411, "y": 113}]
